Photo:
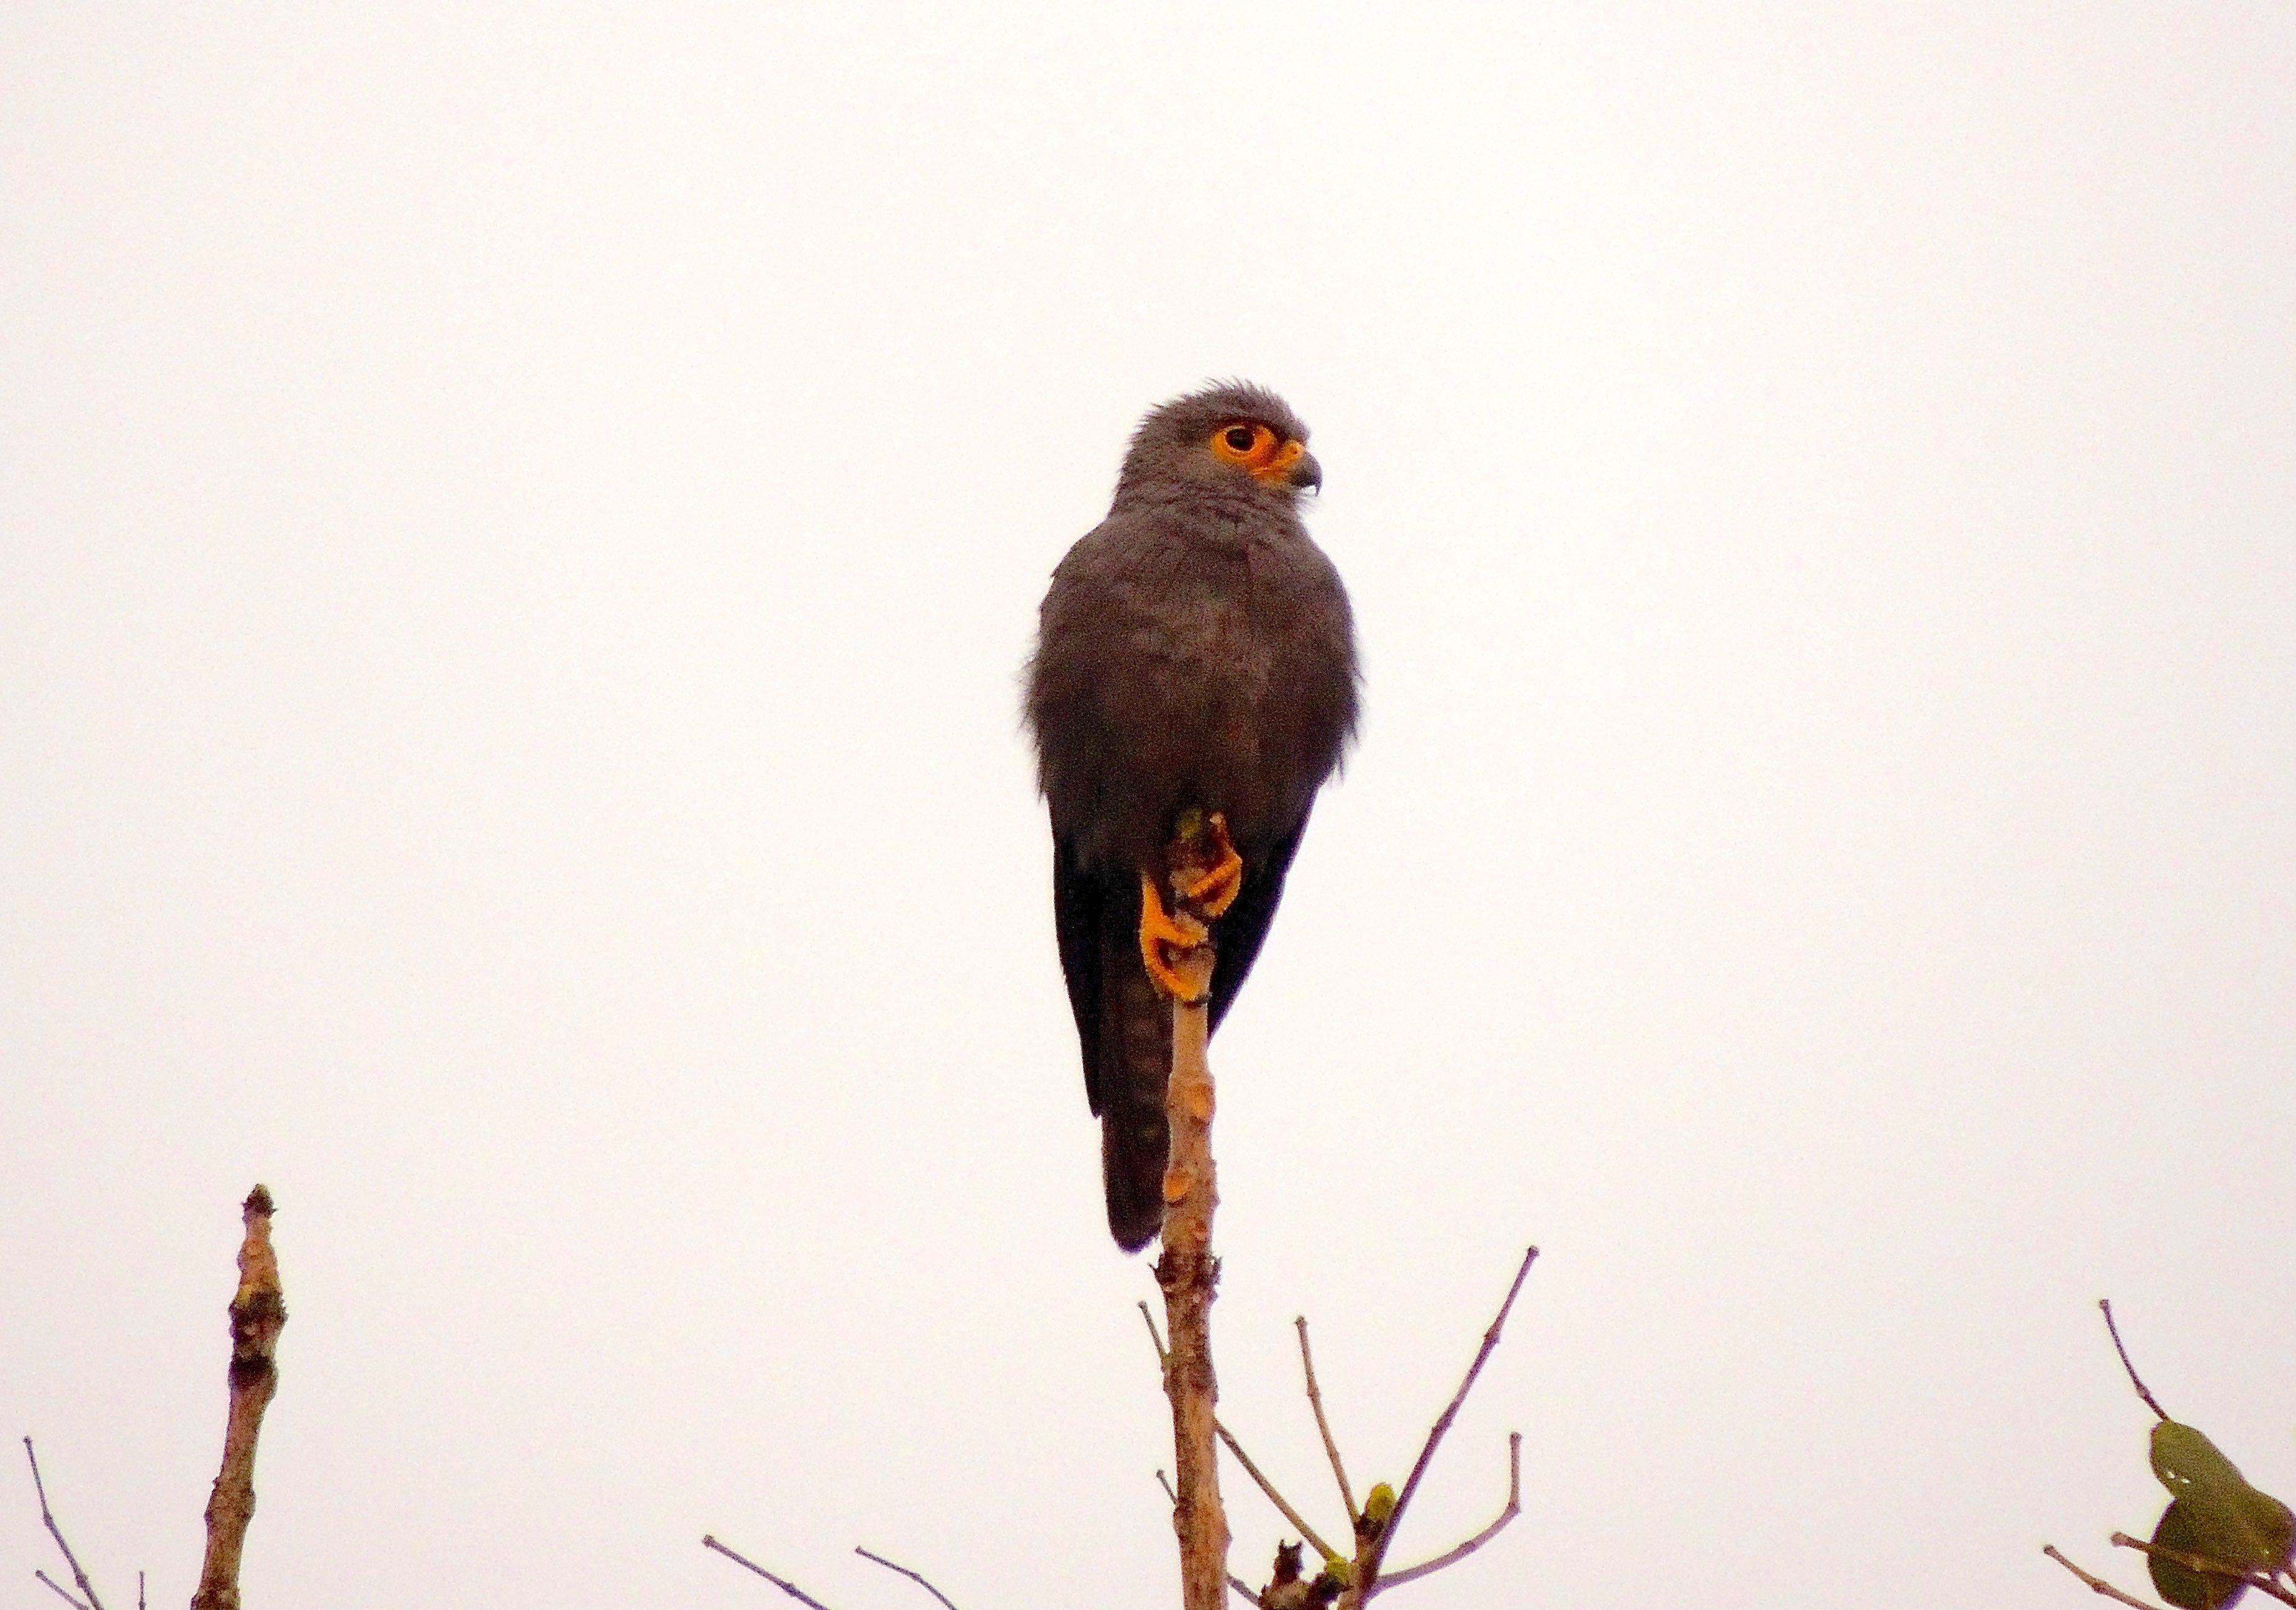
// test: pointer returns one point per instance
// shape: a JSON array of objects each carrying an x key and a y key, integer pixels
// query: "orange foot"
[
  {"x": 1162, "y": 935},
  {"x": 1216, "y": 891}
]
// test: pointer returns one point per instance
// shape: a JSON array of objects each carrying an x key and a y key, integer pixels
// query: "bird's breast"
[{"x": 1209, "y": 667}]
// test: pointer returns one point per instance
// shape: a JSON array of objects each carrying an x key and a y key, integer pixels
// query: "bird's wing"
[
  {"x": 1078, "y": 898},
  {"x": 1238, "y": 931}
]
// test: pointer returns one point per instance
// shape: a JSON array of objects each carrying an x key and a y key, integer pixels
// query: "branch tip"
[
  {"x": 904, "y": 1571},
  {"x": 784, "y": 1583},
  {"x": 1453, "y": 1556},
  {"x": 57, "y": 1589},
  {"x": 2096, "y": 1584},
  {"x": 2113, "y": 1330},
  {"x": 48, "y": 1519},
  {"x": 1315, "y": 1403},
  {"x": 257, "y": 1312},
  {"x": 1367, "y": 1573}
]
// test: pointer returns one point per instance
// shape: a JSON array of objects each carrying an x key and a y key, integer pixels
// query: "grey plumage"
[{"x": 1195, "y": 649}]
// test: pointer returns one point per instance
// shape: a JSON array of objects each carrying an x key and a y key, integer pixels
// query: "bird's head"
[{"x": 1234, "y": 437}]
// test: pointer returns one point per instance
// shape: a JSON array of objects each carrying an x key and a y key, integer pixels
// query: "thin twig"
[
  {"x": 2262, "y": 1581},
  {"x": 58, "y": 1589},
  {"x": 1242, "y": 1589},
  {"x": 48, "y": 1520},
  {"x": 1299, "y": 1522},
  {"x": 1315, "y": 1403},
  {"x": 904, "y": 1571},
  {"x": 1368, "y": 1567},
  {"x": 1452, "y": 1556},
  {"x": 1298, "y": 1525},
  {"x": 784, "y": 1583},
  {"x": 2150, "y": 1403},
  {"x": 2098, "y": 1584}
]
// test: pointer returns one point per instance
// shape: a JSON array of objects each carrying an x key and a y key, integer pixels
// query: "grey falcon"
[{"x": 1195, "y": 651}]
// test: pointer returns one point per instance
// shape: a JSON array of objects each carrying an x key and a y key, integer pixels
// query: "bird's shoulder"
[{"x": 1125, "y": 539}]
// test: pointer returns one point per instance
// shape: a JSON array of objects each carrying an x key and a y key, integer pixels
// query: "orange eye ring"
[
  {"x": 1255, "y": 447},
  {"x": 1242, "y": 442}
]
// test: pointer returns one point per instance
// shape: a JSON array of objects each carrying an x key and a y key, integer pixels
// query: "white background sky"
[{"x": 519, "y": 532}]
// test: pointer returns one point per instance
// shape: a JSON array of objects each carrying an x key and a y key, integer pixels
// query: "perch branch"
[
  {"x": 2096, "y": 1584},
  {"x": 1315, "y": 1403},
  {"x": 2262, "y": 1581},
  {"x": 48, "y": 1519},
  {"x": 1187, "y": 1271},
  {"x": 904, "y": 1571},
  {"x": 257, "y": 1312},
  {"x": 1452, "y": 1556},
  {"x": 2113, "y": 1330},
  {"x": 1366, "y": 1572},
  {"x": 784, "y": 1583},
  {"x": 1234, "y": 1580}
]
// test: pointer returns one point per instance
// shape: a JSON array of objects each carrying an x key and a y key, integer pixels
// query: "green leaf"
[
  {"x": 2181, "y": 1586},
  {"x": 2213, "y": 1513},
  {"x": 2183, "y": 1458}
]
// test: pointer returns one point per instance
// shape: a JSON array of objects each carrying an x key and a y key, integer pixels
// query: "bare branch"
[
  {"x": 1452, "y": 1556},
  {"x": 58, "y": 1589},
  {"x": 48, "y": 1519},
  {"x": 2098, "y": 1584},
  {"x": 2150, "y": 1403},
  {"x": 904, "y": 1571},
  {"x": 1315, "y": 1403},
  {"x": 2262, "y": 1581},
  {"x": 1368, "y": 1567},
  {"x": 1298, "y": 1525},
  {"x": 1242, "y": 1589},
  {"x": 257, "y": 1312},
  {"x": 786, "y": 1586}
]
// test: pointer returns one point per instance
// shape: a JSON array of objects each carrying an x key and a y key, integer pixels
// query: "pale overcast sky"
[{"x": 519, "y": 529}]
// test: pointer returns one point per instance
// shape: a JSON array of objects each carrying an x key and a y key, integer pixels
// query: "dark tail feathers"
[{"x": 1135, "y": 1060}]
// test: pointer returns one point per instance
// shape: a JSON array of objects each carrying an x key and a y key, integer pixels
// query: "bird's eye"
[{"x": 1244, "y": 444}]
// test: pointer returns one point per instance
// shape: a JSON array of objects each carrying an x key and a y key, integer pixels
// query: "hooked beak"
[{"x": 1305, "y": 476}]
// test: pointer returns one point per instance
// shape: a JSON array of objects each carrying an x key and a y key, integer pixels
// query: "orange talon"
[
  {"x": 1160, "y": 932},
  {"x": 1216, "y": 891}
]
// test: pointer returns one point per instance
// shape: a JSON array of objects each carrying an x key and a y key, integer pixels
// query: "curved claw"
[
  {"x": 1162, "y": 932},
  {"x": 1216, "y": 891}
]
